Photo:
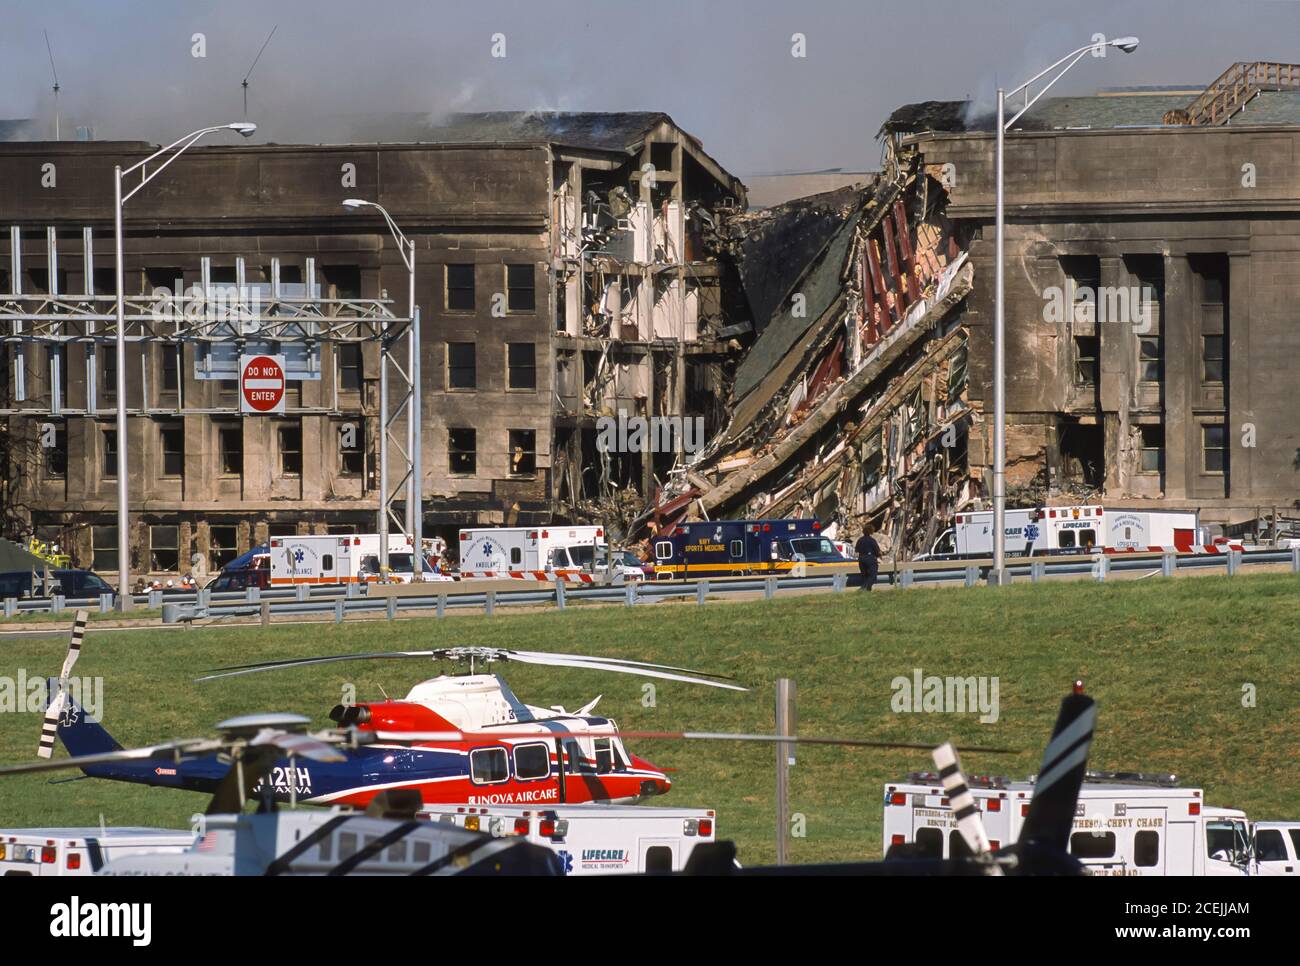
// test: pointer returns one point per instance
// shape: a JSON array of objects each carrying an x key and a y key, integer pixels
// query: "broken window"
[
  {"x": 290, "y": 437},
  {"x": 957, "y": 373},
  {"x": 521, "y": 361},
  {"x": 341, "y": 282},
  {"x": 56, "y": 456},
  {"x": 110, "y": 452},
  {"x": 460, "y": 288},
  {"x": 108, "y": 364},
  {"x": 172, "y": 436},
  {"x": 1083, "y": 279},
  {"x": 164, "y": 548},
  {"x": 462, "y": 371},
  {"x": 1151, "y": 450},
  {"x": 520, "y": 296},
  {"x": 461, "y": 456},
  {"x": 1214, "y": 456},
  {"x": 352, "y": 451},
  {"x": 1085, "y": 359},
  {"x": 1212, "y": 358},
  {"x": 230, "y": 439},
  {"x": 224, "y": 543},
  {"x": 523, "y": 452},
  {"x": 1149, "y": 358}
]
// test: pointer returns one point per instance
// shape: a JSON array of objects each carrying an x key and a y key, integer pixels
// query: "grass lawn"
[{"x": 1166, "y": 659}]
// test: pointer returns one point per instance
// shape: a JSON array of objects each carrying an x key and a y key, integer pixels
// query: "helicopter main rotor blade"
[
  {"x": 234, "y": 670},
  {"x": 411, "y": 737},
  {"x": 524, "y": 657},
  {"x": 299, "y": 745},
  {"x": 969, "y": 822},
  {"x": 50, "y": 726},
  {"x": 487, "y": 655}
]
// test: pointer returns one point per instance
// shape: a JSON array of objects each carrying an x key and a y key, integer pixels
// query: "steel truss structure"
[{"x": 220, "y": 313}]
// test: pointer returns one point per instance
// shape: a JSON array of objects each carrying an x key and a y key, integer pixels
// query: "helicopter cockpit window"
[
  {"x": 488, "y": 766},
  {"x": 532, "y": 761},
  {"x": 575, "y": 761},
  {"x": 604, "y": 756}
]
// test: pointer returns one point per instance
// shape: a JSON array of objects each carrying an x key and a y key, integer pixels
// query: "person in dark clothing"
[{"x": 868, "y": 552}]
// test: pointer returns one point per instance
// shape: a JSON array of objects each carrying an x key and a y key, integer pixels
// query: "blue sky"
[{"x": 722, "y": 68}]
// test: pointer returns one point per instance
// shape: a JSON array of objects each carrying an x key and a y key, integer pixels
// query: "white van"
[
  {"x": 593, "y": 839},
  {"x": 1277, "y": 848},
  {"x": 81, "y": 851},
  {"x": 1124, "y": 824}
]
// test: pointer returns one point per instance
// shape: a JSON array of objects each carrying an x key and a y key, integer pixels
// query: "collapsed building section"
[
  {"x": 850, "y": 405},
  {"x": 644, "y": 339}
]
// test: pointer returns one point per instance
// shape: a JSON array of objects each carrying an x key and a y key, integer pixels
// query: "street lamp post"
[
  {"x": 414, "y": 484},
  {"x": 244, "y": 128},
  {"x": 1128, "y": 45}
]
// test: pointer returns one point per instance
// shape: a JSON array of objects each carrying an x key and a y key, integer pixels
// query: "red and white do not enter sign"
[{"x": 261, "y": 384}]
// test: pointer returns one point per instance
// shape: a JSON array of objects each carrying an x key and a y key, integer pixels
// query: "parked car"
[
  {"x": 76, "y": 584},
  {"x": 252, "y": 569}
]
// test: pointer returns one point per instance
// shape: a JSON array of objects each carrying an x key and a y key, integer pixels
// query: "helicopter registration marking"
[{"x": 282, "y": 779}]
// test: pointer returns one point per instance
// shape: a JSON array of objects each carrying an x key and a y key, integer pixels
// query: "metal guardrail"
[{"x": 339, "y": 602}]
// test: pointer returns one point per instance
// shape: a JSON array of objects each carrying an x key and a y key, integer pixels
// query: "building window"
[
  {"x": 520, "y": 296},
  {"x": 349, "y": 356},
  {"x": 224, "y": 543},
  {"x": 462, "y": 365},
  {"x": 1085, "y": 367},
  {"x": 59, "y": 375},
  {"x": 461, "y": 457},
  {"x": 1212, "y": 358},
  {"x": 1152, "y": 449},
  {"x": 171, "y": 368},
  {"x": 103, "y": 543},
  {"x": 231, "y": 441},
  {"x": 1213, "y": 450},
  {"x": 1149, "y": 358},
  {"x": 352, "y": 452},
  {"x": 521, "y": 362},
  {"x": 523, "y": 452},
  {"x": 56, "y": 456},
  {"x": 460, "y": 288},
  {"x": 291, "y": 450},
  {"x": 164, "y": 549},
  {"x": 173, "y": 449},
  {"x": 110, "y": 453},
  {"x": 108, "y": 365},
  {"x": 1083, "y": 279}
]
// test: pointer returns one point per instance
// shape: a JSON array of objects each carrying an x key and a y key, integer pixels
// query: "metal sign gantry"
[{"x": 229, "y": 315}]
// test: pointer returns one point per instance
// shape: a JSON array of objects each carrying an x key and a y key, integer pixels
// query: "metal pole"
[
  {"x": 415, "y": 495},
  {"x": 383, "y": 454},
  {"x": 999, "y": 374},
  {"x": 784, "y": 702},
  {"x": 123, "y": 487}
]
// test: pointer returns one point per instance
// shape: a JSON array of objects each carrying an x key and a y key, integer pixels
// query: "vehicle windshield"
[
  {"x": 814, "y": 546},
  {"x": 584, "y": 553},
  {"x": 1223, "y": 839}
]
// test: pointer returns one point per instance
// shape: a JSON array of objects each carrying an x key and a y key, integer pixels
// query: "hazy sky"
[{"x": 722, "y": 68}]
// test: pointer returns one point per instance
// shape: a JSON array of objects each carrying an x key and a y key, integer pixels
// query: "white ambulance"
[
  {"x": 1039, "y": 531},
  {"x": 349, "y": 558},
  {"x": 1125, "y": 824},
  {"x": 578, "y": 553},
  {"x": 594, "y": 839},
  {"x": 81, "y": 851}
]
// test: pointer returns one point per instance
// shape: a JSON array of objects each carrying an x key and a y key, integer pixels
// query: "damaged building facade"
[
  {"x": 1152, "y": 273},
  {"x": 562, "y": 277}
]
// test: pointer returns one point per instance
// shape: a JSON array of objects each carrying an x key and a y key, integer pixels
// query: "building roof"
[
  {"x": 1138, "y": 107},
  {"x": 621, "y": 131}
]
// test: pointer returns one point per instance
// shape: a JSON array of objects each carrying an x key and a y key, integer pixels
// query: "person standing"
[{"x": 868, "y": 552}]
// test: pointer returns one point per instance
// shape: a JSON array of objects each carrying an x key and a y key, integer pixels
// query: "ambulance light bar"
[
  {"x": 974, "y": 781},
  {"x": 1132, "y": 778}
]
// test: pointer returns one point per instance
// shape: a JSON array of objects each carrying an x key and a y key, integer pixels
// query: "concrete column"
[
  {"x": 1178, "y": 325},
  {"x": 1236, "y": 389}
]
